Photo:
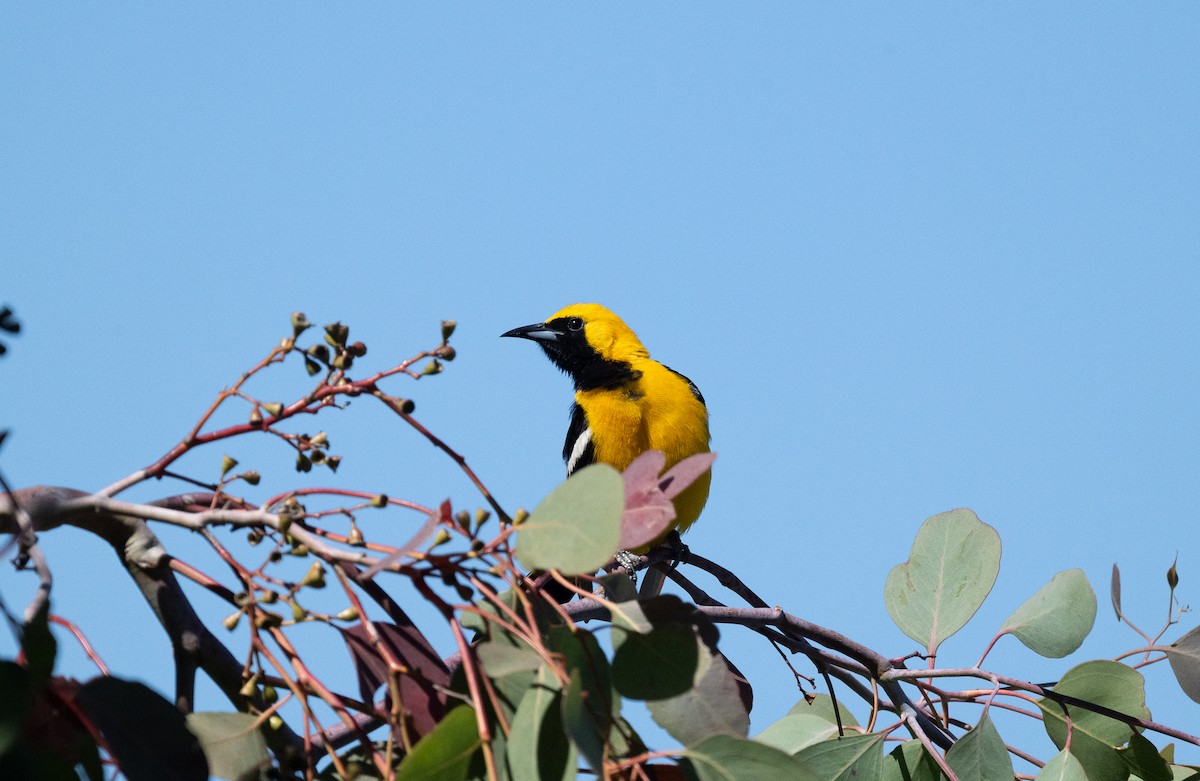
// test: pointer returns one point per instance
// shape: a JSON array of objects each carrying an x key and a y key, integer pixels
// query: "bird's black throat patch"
[{"x": 587, "y": 368}]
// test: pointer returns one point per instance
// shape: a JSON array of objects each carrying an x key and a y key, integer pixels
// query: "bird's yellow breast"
[{"x": 656, "y": 411}]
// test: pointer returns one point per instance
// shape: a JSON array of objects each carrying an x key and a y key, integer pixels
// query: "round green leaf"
[
  {"x": 726, "y": 758},
  {"x": 952, "y": 567},
  {"x": 1106, "y": 683},
  {"x": 1055, "y": 620},
  {"x": 655, "y": 665},
  {"x": 712, "y": 706},
  {"x": 577, "y": 527}
]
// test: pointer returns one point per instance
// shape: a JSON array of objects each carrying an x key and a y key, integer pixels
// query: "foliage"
[{"x": 530, "y": 692}]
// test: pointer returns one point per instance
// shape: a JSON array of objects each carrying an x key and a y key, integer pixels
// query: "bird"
[{"x": 625, "y": 402}]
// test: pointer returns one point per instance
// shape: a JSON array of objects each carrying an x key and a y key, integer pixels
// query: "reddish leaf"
[
  {"x": 419, "y": 688},
  {"x": 648, "y": 512},
  {"x": 685, "y": 473}
]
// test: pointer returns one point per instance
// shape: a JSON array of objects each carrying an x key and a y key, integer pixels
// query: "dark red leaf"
[
  {"x": 419, "y": 688},
  {"x": 685, "y": 473}
]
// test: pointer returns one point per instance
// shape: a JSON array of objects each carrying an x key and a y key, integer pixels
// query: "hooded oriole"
[{"x": 625, "y": 403}]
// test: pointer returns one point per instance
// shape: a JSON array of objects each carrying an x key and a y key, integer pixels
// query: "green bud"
[
  {"x": 254, "y": 536},
  {"x": 448, "y": 327},
  {"x": 333, "y": 462},
  {"x": 336, "y": 334},
  {"x": 447, "y": 353},
  {"x": 227, "y": 463},
  {"x": 255, "y": 417},
  {"x": 343, "y": 361},
  {"x": 269, "y": 598},
  {"x": 241, "y": 599},
  {"x": 265, "y": 619},
  {"x": 355, "y": 538},
  {"x": 1173, "y": 574},
  {"x": 317, "y": 456},
  {"x": 285, "y": 522},
  {"x": 519, "y": 516},
  {"x": 315, "y": 577},
  {"x": 481, "y": 516},
  {"x": 379, "y": 500},
  {"x": 269, "y": 695},
  {"x": 273, "y": 407},
  {"x": 311, "y": 366},
  {"x": 441, "y": 538},
  {"x": 405, "y": 405},
  {"x": 303, "y": 463},
  {"x": 249, "y": 687},
  {"x": 231, "y": 621},
  {"x": 300, "y": 550},
  {"x": 433, "y": 367},
  {"x": 252, "y": 477},
  {"x": 349, "y": 614},
  {"x": 358, "y": 349},
  {"x": 299, "y": 323},
  {"x": 275, "y": 722},
  {"x": 319, "y": 352},
  {"x": 298, "y": 613},
  {"x": 320, "y": 440},
  {"x": 462, "y": 518}
]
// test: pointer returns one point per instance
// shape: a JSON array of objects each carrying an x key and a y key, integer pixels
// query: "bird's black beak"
[{"x": 538, "y": 332}]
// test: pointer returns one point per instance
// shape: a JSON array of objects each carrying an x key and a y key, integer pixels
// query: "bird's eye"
[{"x": 575, "y": 323}]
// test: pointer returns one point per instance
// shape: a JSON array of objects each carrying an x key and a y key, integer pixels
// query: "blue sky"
[{"x": 917, "y": 258}]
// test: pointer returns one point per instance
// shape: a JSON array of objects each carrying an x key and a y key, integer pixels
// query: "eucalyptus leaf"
[
  {"x": 1095, "y": 736},
  {"x": 980, "y": 754},
  {"x": 950, "y": 571},
  {"x": 1055, "y": 620},
  {"x": 844, "y": 759},
  {"x": 1062, "y": 767},
  {"x": 576, "y": 528},
  {"x": 232, "y": 743},
  {"x": 1184, "y": 656},
  {"x": 730, "y": 758}
]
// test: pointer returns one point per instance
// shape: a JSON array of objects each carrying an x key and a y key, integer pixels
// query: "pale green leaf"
[
  {"x": 1062, "y": 767},
  {"x": 576, "y": 528},
  {"x": 980, "y": 755},
  {"x": 794, "y": 732},
  {"x": 844, "y": 759},
  {"x": 537, "y": 743},
  {"x": 822, "y": 705},
  {"x": 952, "y": 567},
  {"x": 1184, "y": 656},
  {"x": 730, "y": 758},
  {"x": 232, "y": 743},
  {"x": 712, "y": 706},
  {"x": 910, "y": 762},
  {"x": 445, "y": 753},
  {"x": 1094, "y": 737},
  {"x": 1055, "y": 620}
]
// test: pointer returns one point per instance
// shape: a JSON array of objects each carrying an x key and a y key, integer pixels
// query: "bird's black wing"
[
  {"x": 579, "y": 450},
  {"x": 691, "y": 385}
]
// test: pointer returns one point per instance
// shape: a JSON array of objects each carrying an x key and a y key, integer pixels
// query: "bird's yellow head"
[{"x": 589, "y": 343}]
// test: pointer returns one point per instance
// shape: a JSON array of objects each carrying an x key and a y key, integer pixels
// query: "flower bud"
[
  {"x": 355, "y": 537},
  {"x": 448, "y": 327},
  {"x": 273, "y": 407},
  {"x": 379, "y": 500},
  {"x": 315, "y": 577},
  {"x": 299, "y": 323},
  {"x": 349, "y": 614},
  {"x": 227, "y": 463},
  {"x": 231, "y": 620},
  {"x": 252, "y": 477}
]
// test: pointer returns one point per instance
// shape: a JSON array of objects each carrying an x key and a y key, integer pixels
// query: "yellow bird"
[{"x": 625, "y": 402}]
